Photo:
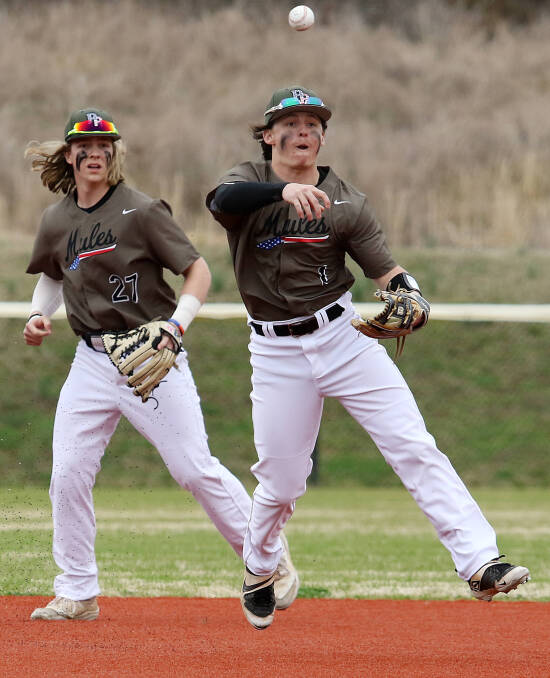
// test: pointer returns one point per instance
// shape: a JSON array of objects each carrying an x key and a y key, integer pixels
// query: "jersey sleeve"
[
  {"x": 244, "y": 197},
  {"x": 244, "y": 172},
  {"x": 366, "y": 244},
  {"x": 43, "y": 258},
  {"x": 166, "y": 240}
]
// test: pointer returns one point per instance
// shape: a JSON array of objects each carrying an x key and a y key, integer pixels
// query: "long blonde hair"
[{"x": 55, "y": 171}]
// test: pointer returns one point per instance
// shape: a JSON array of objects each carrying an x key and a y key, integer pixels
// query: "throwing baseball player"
[
  {"x": 103, "y": 249},
  {"x": 290, "y": 224}
]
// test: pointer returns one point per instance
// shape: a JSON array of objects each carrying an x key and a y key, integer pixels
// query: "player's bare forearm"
[
  {"x": 197, "y": 280},
  {"x": 382, "y": 283}
]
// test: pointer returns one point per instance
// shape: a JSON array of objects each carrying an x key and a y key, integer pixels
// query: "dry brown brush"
[{"x": 445, "y": 128}]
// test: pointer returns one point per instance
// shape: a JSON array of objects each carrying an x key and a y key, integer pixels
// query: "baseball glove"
[
  {"x": 404, "y": 311},
  {"x": 130, "y": 350}
]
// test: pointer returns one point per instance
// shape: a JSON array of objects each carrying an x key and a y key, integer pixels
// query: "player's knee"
[
  {"x": 72, "y": 472},
  {"x": 283, "y": 481},
  {"x": 191, "y": 478},
  {"x": 282, "y": 495}
]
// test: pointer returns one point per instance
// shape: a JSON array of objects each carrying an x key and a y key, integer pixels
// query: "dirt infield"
[{"x": 314, "y": 638}]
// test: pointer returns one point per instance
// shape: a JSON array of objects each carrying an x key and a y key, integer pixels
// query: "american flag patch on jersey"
[
  {"x": 86, "y": 255},
  {"x": 280, "y": 239}
]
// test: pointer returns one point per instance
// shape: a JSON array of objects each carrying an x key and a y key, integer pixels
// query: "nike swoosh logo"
[
  {"x": 341, "y": 202},
  {"x": 128, "y": 211}
]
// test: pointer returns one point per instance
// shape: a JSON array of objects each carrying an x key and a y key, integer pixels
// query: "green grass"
[
  {"x": 483, "y": 389},
  {"x": 356, "y": 543}
]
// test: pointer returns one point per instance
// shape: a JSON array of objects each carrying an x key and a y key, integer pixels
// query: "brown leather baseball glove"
[{"x": 404, "y": 311}]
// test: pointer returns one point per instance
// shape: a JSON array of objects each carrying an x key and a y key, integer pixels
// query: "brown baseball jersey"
[
  {"x": 111, "y": 258},
  {"x": 287, "y": 267}
]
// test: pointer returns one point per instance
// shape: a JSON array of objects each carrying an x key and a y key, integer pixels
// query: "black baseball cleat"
[
  {"x": 258, "y": 599},
  {"x": 495, "y": 577}
]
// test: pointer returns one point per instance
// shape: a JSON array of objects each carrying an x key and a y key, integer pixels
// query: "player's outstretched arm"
[{"x": 243, "y": 197}]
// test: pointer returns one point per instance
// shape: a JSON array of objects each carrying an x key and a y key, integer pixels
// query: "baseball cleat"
[
  {"x": 287, "y": 581},
  {"x": 258, "y": 599},
  {"x": 65, "y": 608},
  {"x": 495, "y": 577}
]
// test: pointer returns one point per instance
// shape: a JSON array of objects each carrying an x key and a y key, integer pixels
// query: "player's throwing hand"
[{"x": 307, "y": 200}]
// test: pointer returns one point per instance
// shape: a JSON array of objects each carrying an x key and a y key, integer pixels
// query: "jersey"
[
  {"x": 287, "y": 267},
  {"x": 111, "y": 258}
]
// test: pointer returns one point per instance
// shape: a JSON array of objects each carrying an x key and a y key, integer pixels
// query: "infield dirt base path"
[{"x": 314, "y": 638}]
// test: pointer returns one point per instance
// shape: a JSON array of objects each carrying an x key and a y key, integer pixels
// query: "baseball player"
[
  {"x": 102, "y": 249},
  {"x": 289, "y": 224}
]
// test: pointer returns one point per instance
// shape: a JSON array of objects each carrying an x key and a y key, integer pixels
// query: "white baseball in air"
[{"x": 300, "y": 18}]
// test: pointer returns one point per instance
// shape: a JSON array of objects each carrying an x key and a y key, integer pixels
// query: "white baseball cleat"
[
  {"x": 495, "y": 577},
  {"x": 64, "y": 608},
  {"x": 287, "y": 581}
]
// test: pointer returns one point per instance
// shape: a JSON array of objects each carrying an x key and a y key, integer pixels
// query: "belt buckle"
[
  {"x": 307, "y": 322},
  {"x": 290, "y": 331}
]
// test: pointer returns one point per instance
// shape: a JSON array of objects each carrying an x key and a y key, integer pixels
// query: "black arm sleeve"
[{"x": 245, "y": 196}]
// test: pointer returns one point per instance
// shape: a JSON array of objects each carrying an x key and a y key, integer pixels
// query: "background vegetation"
[
  {"x": 440, "y": 116},
  {"x": 483, "y": 389},
  {"x": 440, "y": 108}
]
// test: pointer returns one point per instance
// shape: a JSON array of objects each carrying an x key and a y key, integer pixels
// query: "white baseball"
[{"x": 301, "y": 18}]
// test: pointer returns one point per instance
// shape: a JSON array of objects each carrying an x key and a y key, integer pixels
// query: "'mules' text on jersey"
[
  {"x": 271, "y": 226},
  {"x": 97, "y": 238}
]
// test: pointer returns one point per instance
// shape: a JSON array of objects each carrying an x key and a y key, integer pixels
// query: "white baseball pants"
[
  {"x": 291, "y": 377},
  {"x": 90, "y": 405}
]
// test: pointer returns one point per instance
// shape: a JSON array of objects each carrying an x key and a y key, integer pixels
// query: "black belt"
[{"x": 300, "y": 327}]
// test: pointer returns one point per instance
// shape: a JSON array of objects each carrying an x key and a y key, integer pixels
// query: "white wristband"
[
  {"x": 47, "y": 296},
  {"x": 187, "y": 308}
]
